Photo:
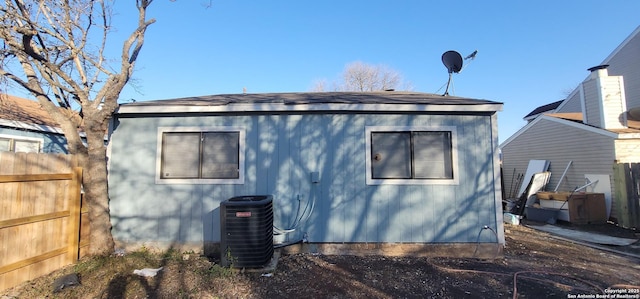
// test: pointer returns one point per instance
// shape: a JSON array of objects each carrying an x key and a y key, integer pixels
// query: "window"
[
  {"x": 201, "y": 155},
  {"x": 411, "y": 155},
  {"x": 20, "y": 144}
]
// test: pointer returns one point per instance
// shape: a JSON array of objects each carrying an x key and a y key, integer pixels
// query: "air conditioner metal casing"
[{"x": 246, "y": 231}]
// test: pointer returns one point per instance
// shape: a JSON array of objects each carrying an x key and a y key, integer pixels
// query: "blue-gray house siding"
[
  {"x": 24, "y": 121},
  {"x": 50, "y": 142},
  {"x": 282, "y": 150}
]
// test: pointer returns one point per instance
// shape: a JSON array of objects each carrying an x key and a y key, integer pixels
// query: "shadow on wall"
[
  {"x": 211, "y": 231},
  {"x": 282, "y": 152},
  {"x": 55, "y": 144}
]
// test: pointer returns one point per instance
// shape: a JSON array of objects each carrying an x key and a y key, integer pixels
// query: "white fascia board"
[
  {"x": 279, "y": 107},
  {"x": 562, "y": 122},
  {"x": 582, "y": 126},
  {"x": 26, "y": 126}
]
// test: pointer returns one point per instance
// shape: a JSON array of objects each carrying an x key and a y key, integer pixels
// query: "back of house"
[{"x": 379, "y": 172}]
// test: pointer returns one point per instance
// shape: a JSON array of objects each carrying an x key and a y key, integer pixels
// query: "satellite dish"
[{"x": 452, "y": 60}]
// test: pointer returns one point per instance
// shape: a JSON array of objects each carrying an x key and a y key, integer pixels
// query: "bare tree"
[
  {"x": 319, "y": 85},
  {"x": 56, "y": 51},
  {"x": 360, "y": 76}
]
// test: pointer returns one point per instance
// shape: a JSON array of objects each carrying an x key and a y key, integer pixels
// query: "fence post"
[
  {"x": 626, "y": 178},
  {"x": 73, "y": 244},
  {"x": 634, "y": 196}
]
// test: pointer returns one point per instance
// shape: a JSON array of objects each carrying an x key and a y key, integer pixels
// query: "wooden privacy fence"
[
  {"x": 627, "y": 189},
  {"x": 40, "y": 211}
]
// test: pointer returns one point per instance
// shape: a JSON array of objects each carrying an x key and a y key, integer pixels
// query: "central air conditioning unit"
[{"x": 246, "y": 231}]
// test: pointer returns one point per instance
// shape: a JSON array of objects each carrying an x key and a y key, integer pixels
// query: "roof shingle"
[
  {"x": 544, "y": 108},
  {"x": 313, "y": 101},
  {"x": 23, "y": 110}
]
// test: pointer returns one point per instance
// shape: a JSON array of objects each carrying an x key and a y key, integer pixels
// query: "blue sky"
[{"x": 530, "y": 53}]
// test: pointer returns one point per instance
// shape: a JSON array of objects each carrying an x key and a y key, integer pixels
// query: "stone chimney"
[{"x": 604, "y": 104}]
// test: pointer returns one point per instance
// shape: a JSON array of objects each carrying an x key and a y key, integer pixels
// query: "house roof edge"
[
  {"x": 562, "y": 121},
  {"x": 297, "y": 102}
]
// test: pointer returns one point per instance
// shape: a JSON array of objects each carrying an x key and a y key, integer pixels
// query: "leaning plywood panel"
[{"x": 535, "y": 166}]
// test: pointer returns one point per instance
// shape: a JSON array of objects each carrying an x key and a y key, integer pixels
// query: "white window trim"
[
  {"x": 241, "y": 153},
  {"x": 454, "y": 156},
  {"x": 40, "y": 141}
]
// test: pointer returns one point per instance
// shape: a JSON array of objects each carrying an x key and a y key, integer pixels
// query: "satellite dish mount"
[{"x": 452, "y": 60}]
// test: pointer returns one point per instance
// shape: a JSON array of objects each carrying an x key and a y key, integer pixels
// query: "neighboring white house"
[{"x": 596, "y": 128}]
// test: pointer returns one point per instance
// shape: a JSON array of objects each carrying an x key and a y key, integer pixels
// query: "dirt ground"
[{"x": 535, "y": 265}]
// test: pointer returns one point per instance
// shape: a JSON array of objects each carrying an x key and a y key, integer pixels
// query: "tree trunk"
[
  {"x": 64, "y": 65},
  {"x": 96, "y": 193}
]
